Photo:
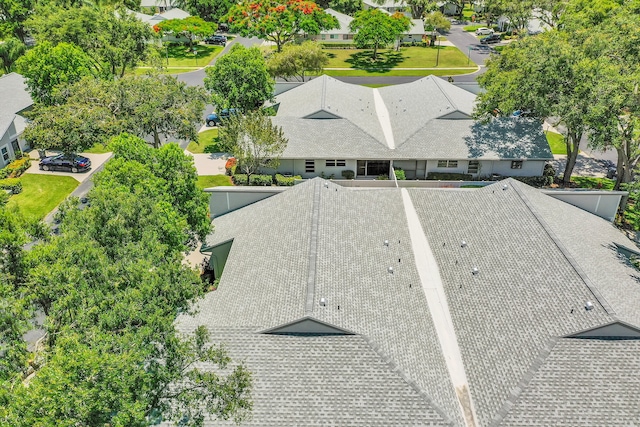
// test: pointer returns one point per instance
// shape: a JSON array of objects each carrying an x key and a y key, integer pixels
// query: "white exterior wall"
[
  {"x": 529, "y": 168},
  {"x": 432, "y": 166},
  {"x": 5, "y": 143}
]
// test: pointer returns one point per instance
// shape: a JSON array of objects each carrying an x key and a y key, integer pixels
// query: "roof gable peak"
[{"x": 307, "y": 325}]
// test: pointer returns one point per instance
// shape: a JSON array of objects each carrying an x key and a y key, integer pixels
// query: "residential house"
[
  {"x": 499, "y": 306},
  {"x": 390, "y": 6},
  {"x": 422, "y": 127},
  {"x": 15, "y": 100},
  {"x": 159, "y": 5},
  {"x": 343, "y": 34},
  {"x": 449, "y": 8},
  {"x": 153, "y": 20}
]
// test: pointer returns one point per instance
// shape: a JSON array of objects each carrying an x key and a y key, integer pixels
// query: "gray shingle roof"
[
  {"x": 582, "y": 383},
  {"x": 15, "y": 98},
  {"x": 325, "y": 380},
  {"x": 429, "y": 119},
  {"x": 534, "y": 280}
]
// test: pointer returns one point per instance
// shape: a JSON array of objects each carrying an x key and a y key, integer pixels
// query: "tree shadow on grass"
[{"x": 385, "y": 61}]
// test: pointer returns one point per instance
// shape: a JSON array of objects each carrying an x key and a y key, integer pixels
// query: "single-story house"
[
  {"x": 390, "y": 6},
  {"x": 15, "y": 100},
  {"x": 422, "y": 127},
  {"x": 160, "y": 5},
  {"x": 344, "y": 35},
  {"x": 152, "y": 20},
  {"x": 426, "y": 307},
  {"x": 449, "y": 8}
]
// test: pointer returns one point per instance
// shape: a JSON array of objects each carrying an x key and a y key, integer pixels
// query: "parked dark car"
[
  {"x": 216, "y": 119},
  {"x": 61, "y": 162},
  {"x": 492, "y": 38},
  {"x": 217, "y": 39}
]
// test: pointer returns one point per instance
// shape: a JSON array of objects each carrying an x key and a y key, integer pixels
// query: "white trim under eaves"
[{"x": 383, "y": 118}]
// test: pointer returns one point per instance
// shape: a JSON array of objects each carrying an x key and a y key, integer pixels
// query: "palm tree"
[{"x": 10, "y": 50}]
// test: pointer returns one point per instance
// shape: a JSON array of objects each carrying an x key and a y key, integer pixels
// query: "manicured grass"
[
  {"x": 173, "y": 70},
  {"x": 416, "y": 72},
  {"x": 591, "y": 182},
  {"x": 207, "y": 143},
  {"x": 41, "y": 194},
  {"x": 474, "y": 27},
  {"x": 407, "y": 57},
  {"x": 97, "y": 149},
  {"x": 207, "y": 181},
  {"x": 181, "y": 56},
  {"x": 556, "y": 142}
]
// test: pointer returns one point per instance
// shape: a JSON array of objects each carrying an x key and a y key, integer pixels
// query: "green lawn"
[
  {"x": 207, "y": 181},
  {"x": 472, "y": 28},
  {"x": 181, "y": 56},
  {"x": 172, "y": 70},
  {"x": 417, "y": 72},
  {"x": 591, "y": 182},
  {"x": 407, "y": 57},
  {"x": 41, "y": 194},
  {"x": 556, "y": 142},
  {"x": 208, "y": 143},
  {"x": 97, "y": 149}
]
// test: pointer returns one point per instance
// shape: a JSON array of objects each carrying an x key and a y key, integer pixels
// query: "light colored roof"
[
  {"x": 429, "y": 118},
  {"x": 385, "y": 4},
  {"x": 15, "y": 98},
  {"x": 328, "y": 380},
  {"x": 417, "y": 25},
  {"x": 581, "y": 383},
  {"x": 141, "y": 16},
  {"x": 156, "y": 3},
  {"x": 175, "y": 13},
  {"x": 318, "y": 240}
]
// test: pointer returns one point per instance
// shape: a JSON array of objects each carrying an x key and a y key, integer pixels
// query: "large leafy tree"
[
  {"x": 240, "y": 79},
  {"x": 254, "y": 141},
  {"x": 94, "y": 110},
  {"x": 549, "y": 75},
  {"x": 47, "y": 67},
  {"x": 111, "y": 285},
  {"x": 209, "y": 10},
  {"x": 375, "y": 28},
  {"x": 190, "y": 27},
  {"x": 10, "y": 50},
  {"x": 279, "y": 21},
  {"x": 114, "y": 40},
  {"x": 13, "y": 14},
  {"x": 296, "y": 60}
]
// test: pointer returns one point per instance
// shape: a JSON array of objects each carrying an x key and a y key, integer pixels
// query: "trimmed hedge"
[
  {"x": 535, "y": 181},
  {"x": 240, "y": 179},
  {"x": 17, "y": 167},
  {"x": 262, "y": 180},
  {"x": 12, "y": 184},
  {"x": 348, "y": 174},
  {"x": 445, "y": 176},
  {"x": 4, "y": 198},
  {"x": 400, "y": 176},
  {"x": 286, "y": 181}
]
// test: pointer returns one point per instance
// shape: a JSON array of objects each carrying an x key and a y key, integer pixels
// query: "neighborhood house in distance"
[
  {"x": 498, "y": 306},
  {"x": 421, "y": 127},
  {"x": 14, "y": 100}
]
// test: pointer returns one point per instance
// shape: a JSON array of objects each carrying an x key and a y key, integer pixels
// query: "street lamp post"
[
  {"x": 438, "y": 53},
  {"x": 166, "y": 48},
  {"x": 469, "y": 57}
]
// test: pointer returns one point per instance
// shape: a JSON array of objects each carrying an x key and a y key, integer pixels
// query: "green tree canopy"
[
  {"x": 296, "y": 60},
  {"x": 115, "y": 40},
  {"x": 437, "y": 21},
  {"x": 209, "y": 10},
  {"x": 375, "y": 28},
  {"x": 10, "y": 50},
  {"x": 254, "y": 141},
  {"x": 47, "y": 67},
  {"x": 277, "y": 21},
  {"x": 13, "y": 14},
  {"x": 190, "y": 27},
  {"x": 240, "y": 79}
]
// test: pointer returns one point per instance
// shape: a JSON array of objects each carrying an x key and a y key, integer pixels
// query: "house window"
[
  {"x": 309, "y": 166},
  {"x": 333, "y": 163},
  {"x": 334, "y": 36},
  {"x": 447, "y": 163},
  {"x": 473, "y": 166},
  {"x": 324, "y": 36},
  {"x": 5, "y": 153},
  {"x": 516, "y": 164}
]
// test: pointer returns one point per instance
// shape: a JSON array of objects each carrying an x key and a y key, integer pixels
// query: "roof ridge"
[
  {"x": 435, "y": 80},
  {"x": 565, "y": 252},
  {"x": 395, "y": 368},
  {"x": 524, "y": 382},
  {"x": 313, "y": 249}
]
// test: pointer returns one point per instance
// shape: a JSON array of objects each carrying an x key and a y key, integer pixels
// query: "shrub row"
[
  {"x": 400, "y": 176},
  {"x": 348, "y": 174},
  {"x": 264, "y": 180},
  {"x": 15, "y": 168},
  {"x": 444, "y": 176},
  {"x": 286, "y": 181},
  {"x": 12, "y": 184}
]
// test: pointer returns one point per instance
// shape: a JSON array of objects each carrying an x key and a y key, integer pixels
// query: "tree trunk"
[
  {"x": 375, "y": 51},
  {"x": 156, "y": 138},
  {"x": 572, "y": 141}
]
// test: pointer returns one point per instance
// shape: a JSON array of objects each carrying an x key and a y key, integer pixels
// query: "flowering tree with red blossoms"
[{"x": 279, "y": 21}]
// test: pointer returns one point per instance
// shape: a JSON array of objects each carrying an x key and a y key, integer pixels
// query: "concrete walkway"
[
  {"x": 209, "y": 163},
  {"x": 437, "y": 300}
]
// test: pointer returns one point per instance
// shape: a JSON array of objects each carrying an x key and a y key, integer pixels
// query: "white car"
[{"x": 483, "y": 31}]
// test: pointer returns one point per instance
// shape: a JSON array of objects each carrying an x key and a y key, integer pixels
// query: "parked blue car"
[{"x": 216, "y": 119}]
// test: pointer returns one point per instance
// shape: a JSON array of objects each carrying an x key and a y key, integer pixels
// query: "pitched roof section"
[
  {"x": 328, "y": 380},
  {"x": 307, "y": 326},
  {"x": 15, "y": 98},
  {"x": 428, "y": 118},
  {"x": 581, "y": 383},
  {"x": 614, "y": 330},
  {"x": 524, "y": 293}
]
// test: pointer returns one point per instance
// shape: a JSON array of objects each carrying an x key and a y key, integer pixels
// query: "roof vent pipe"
[
  {"x": 390, "y": 270},
  {"x": 386, "y": 243},
  {"x": 475, "y": 271},
  {"x": 588, "y": 306},
  {"x": 323, "y": 301},
  {"x": 504, "y": 187},
  {"x": 463, "y": 244}
]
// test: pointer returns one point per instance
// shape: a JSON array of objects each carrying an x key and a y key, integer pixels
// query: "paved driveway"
[
  {"x": 209, "y": 163},
  {"x": 96, "y": 161}
]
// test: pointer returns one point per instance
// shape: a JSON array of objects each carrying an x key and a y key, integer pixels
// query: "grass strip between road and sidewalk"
[{"x": 41, "y": 194}]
